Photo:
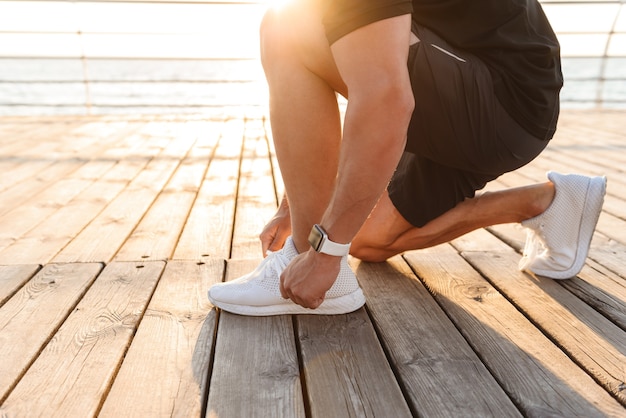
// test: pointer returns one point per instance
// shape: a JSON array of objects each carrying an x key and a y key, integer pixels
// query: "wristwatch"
[{"x": 318, "y": 238}]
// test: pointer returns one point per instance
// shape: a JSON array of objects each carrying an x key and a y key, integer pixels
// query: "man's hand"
[
  {"x": 277, "y": 230},
  {"x": 308, "y": 277}
]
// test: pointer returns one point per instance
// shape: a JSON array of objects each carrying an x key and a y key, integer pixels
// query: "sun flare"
[{"x": 277, "y": 4}]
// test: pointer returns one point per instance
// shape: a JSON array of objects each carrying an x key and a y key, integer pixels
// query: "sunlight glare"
[{"x": 277, "y": 4}]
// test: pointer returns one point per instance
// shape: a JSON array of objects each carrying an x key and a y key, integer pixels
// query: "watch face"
[{"x": 316, "y": 237}]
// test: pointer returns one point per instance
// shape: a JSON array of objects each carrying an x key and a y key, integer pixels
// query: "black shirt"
[{"x": 512, "y": 37}]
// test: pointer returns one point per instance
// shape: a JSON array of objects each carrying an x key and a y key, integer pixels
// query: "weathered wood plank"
[
  {"x": 346, "y": 371},
  {"x": 595, "y": 343},
  {"x": 14, "y": 197},
  {"x": 592, "y": 141},
  {"x": 156, "y": 236},
  {"x": 278, "y": 180},
  {"x": 31, "y": 138},
  {"x": 30, "y": 318},
  {"x": 31, "y": 213},
  {"x": 209, "y": 228},
  {"x": 76, "y": 368},
  {"x": 606, "y": 120},
  {"x": 164, "y": 373},
  {"x": 13, "y": 277},
  {"x": 256, "y": 201},
  {"x": 537, "y": 375},
  {"x": 81, "y": 140},
  {"x": 43, "y": 242},
  {"x": 602, "y": 289},
  {"x": 429, "y": 355},
  {"x": 601, "y": 283},
  {"x": 255, "y": 371},
  {"x": 15, "y": 170},
  {"x": 103, "y": 237}
]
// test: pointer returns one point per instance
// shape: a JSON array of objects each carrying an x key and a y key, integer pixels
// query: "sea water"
[{"x": 197, "y": 57}]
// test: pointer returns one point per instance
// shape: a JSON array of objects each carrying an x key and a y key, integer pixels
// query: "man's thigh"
[{"x": 293, "y": 37}]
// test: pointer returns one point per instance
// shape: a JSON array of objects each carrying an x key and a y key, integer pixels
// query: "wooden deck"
[{"x": 112, "y": 228}]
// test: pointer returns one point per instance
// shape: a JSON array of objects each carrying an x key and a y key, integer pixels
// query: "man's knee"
[
  {"x": 367, "y": 253},
  {"x": 285, "y": 31},
  {"x": 273, "y": 37},
  {"x": 373, "y": 243}
]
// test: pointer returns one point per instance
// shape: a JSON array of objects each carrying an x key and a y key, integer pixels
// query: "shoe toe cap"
[{"x": 242, "y": 294}]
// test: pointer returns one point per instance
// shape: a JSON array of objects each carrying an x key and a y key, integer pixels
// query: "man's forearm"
[
  {"x": 374, "y": 138},
  {"x": 372, "y": 62}
]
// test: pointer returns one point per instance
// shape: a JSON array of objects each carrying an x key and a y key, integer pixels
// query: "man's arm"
[{"x": 372, "y": 63}]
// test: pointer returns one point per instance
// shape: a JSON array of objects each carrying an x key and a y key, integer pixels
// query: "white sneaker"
[
  {"x": 258, "y": 293},
  {"x": 558, "y": 240}
]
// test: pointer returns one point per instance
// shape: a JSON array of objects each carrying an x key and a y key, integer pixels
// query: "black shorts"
[{"x": 459, "y": 137}]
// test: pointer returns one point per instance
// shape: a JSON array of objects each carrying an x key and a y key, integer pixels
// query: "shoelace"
[
  {"x": 533, "y": 248},
  {"x": 276, "y": 262}
]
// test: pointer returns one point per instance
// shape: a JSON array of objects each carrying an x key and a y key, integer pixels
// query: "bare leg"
[
  {"x": 303, "y": 81},
  {"x": 386, "y": 233}
]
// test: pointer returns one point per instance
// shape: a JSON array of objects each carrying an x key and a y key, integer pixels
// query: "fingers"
[
  {"x": 310, "y": 302},
  {"x": 277, "y": 243},
  {"x": 273, "y": 238},
  {"x": 281, "y": 287},
  {"x": 271, "y": 243}
]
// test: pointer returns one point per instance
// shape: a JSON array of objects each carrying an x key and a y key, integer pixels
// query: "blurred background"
[{"x": 169, "y": 56}]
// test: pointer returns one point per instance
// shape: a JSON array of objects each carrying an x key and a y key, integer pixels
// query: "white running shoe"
[
  {"x": 558, "y": 240},
  {"x": 258, "y": 293}
]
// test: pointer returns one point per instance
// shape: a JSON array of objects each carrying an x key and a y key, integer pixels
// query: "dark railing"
[{"x": 195, "y": 56}]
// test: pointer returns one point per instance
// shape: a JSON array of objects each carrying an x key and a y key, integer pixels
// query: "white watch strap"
[{"x": 333, "y": 248}]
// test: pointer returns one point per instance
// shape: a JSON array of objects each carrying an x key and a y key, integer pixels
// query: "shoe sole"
[
  {"x": 335, "y": 306},
  {"x": 593, "y": 206}
]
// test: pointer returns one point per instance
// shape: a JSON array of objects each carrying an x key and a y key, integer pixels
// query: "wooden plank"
[
  {"x": 590, "y": 339},
  {"x": 81, "y": 140},
  {"x": 600, "y": 283},
  {"x": 157, "y": 234},
  {"x": 278, "y": 180},
  {"x": 75, "y": 370},
  {"x": 256, "y": 201},
  {"x": 13, "y": 198},
  {"x": 31, "y": 138},
  {"x": 42, "y": 243},
  {"x": 31, "y": 213},
  {"x": 603, "y": 119},
  {"x": 255, "y": 371},
  {"x": 599, "y": 157},
  {"x": 164, "y": 373},
  {"x": 346, "y": 371},
  {"x": 557, "y": 161},
  {"x": 10, "y": 128},
  {"x": 434, "y": 363},
  {"x": 102, "y": 238},
  {"x": 209, "y": 228},
  {"x": 14, "y": 277},
  {"x": 537, "y": 375},
  {"x": 15, "y": 170},
  {"x": 30, "y": 318},
  {"x": 602, "y": 289},
  {"x": 609, "y": 254}
]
